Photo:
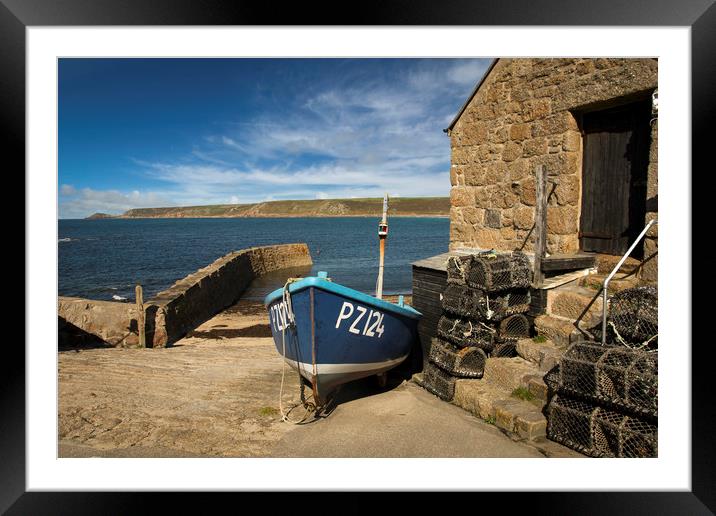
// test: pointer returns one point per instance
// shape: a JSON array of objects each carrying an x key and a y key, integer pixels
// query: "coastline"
[
  {"x": 281, "y": 216},
  {"x": 353, "y": 207}
]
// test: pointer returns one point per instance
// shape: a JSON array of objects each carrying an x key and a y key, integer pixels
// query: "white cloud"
[
  {"x": 79, "y": 203},
  {"x": 469, "y": 72},
  {"x": 359, "y": 118},
  {"x": 67, "y": 190},
  {"x": 352, "y": 137},
  {"x": 208, "y": 179}
]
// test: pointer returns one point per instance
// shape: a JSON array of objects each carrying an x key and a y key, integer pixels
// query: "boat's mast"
[{"x": 382, "y": 234}]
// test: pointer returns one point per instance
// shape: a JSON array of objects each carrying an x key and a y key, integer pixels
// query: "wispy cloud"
[
  {"x": 355, "y": 135},
  {"x": 78, "y": 203}
]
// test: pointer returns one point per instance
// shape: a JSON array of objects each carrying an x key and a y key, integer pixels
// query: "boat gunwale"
[{"x": 343, "y": 291}]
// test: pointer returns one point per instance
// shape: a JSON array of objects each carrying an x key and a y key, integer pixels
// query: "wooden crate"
[{"x": 429, "y": 281}]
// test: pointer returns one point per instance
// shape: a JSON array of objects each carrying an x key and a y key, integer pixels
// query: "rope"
[
  {"x": 628, "y": 345},
  {"x": 488, "y": 312},
  {"x": 458, "y": 265},
  {"x": 647, "y": 341},
  {"x": 291, "y": 322},
  {"x": 491, "y": 330}
]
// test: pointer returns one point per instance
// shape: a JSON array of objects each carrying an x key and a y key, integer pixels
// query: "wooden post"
[
  {"x": 540, "y": 223},
  {"x": 140, "y": 316},
  {"x": 382, "y": 234}
]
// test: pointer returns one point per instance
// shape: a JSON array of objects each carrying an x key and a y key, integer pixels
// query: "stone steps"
[
  {"x": 619, "y": 282},
  {"x": 496, "y": 405},
  {"x": 545, "y": 355},
  {"x": 570, "y": 302},
  {"x": 605, "y": 264},
  {"x": 491, "y": 398},
  {"x": 514, "y": 373},
  {"x": 560, "y": 330}
]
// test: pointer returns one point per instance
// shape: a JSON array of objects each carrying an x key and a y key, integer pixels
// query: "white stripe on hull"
[{"x": 344, "y": 368}]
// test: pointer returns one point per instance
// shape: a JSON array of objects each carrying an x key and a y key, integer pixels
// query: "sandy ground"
[{"x": 215, "y": 393}]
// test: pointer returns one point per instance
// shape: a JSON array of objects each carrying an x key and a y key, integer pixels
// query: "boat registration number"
[
  {"x": 360, "y": 320},
  {"x": 279, "y": 316}
]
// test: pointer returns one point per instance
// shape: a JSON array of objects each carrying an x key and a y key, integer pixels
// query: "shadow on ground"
[
  {"x": 70, "y": 337},
  {"x": 358, "y": 389},
  {"x": 257, "y": 330}
]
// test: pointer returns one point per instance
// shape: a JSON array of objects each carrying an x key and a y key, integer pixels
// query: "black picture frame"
[{"x": 17, "y": 15}]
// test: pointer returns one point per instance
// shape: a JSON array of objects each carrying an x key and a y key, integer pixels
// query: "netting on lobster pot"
[
  {"x": 633, "y": 317},
  {"x": 606, "y": 425},
  {"x": 457, "y": 268},
  {"x": 495, "y": 306},
  {"x": 642, "y": 384},
  {"x": 461, "y": 300},
  {"x": 461, "y": 362},
  {"x": 569, "y": 422},
  {"x": 578, "y": 372},
  {"x": 595, "y": 334},
  {"x": 438, "y": 382},
  {"x": 518, "y": 301},
  {"x": 638, "y": 438},
  {"x": 505, "y": 348},
  {"x": 474, "y": 304},
  {"x": 514, "y": 327},
  {"x": 617, "y": 434},
  {"x": 551, "y": 379},
  {"x": 611, "y": 378},
  {"x": 466, "y": 333},
  {"x": 618, "y": 376},
  {"x": 501, "y": 272}
]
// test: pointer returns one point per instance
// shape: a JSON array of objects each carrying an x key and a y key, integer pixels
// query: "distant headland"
[{"x": 365, "y": 207}]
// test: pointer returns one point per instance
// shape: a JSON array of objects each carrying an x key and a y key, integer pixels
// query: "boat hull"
[{"x": 340, "y": 334}]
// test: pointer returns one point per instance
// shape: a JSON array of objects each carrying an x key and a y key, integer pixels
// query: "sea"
[{"x": 105, "y": 259}]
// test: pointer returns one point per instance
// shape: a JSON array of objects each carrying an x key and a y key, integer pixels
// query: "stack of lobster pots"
[
  {"x": 606, "y": 395},
  {"x": 483, "y": 307}
]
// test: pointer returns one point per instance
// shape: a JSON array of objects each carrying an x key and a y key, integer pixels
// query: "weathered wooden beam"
[
  {"x": 438, "y": 262},
  {"x": 540, "y": 223},
  {"x": 538, "y": 302},
  {"x": 564, "y": 262},
  {"x": 140, "y": 315}
]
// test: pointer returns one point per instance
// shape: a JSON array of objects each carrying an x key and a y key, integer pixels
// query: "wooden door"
[{"x": 614, "y": 172}]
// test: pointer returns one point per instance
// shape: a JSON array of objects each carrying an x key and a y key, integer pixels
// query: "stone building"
[{"x": 591, "y": 123}]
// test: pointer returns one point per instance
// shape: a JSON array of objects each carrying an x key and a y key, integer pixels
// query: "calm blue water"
[{"x": 103, "y": 258}]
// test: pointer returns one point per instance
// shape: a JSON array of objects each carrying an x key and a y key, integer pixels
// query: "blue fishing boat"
[{"x": 332, "y": 334}]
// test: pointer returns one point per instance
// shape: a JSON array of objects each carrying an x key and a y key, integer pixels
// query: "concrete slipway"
[{"x": 215, "y": 394}]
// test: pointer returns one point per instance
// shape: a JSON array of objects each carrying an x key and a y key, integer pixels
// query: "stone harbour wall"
[
  {"x": 180, "y": 308},
  {"x": 522, "y": 116},
  {"x": 199, "y": 296},
  {"x": 86, "y": 321}
]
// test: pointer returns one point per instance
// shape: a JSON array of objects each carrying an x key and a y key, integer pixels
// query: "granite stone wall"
[
  {"x": 525, "y": 114},
  {"x": 180, "y": 308},
  {"x": 650, "y": 271},
  {"x": 201, "y": 295},
  {"x": 86, "y": 321}
]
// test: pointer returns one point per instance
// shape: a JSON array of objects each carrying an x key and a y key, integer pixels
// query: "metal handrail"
[{"x": 611, "y": 275}]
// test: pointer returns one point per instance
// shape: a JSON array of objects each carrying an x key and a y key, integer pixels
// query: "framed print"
[{"x": 165, "y": 42}]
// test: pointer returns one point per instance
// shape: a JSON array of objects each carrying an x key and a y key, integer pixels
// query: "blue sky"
[{"x": 178, "y": 132}]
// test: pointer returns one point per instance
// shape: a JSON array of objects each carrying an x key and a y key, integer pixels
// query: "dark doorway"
[{"x": 614, "y": 174}]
